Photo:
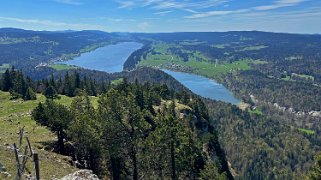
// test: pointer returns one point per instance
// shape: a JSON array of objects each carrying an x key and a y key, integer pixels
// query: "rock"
[
  {"x": 7, "y": 174},
  {"x": 81, "y": 175},
  {"x": 315, "y": 113},
  {"x": 2, "y": 168}
]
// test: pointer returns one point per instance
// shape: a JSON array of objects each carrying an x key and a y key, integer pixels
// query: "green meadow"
[{"x": 15, "y": 114}]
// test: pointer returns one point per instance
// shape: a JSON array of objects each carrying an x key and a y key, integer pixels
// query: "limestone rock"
[{"x": 81, "y": 175}]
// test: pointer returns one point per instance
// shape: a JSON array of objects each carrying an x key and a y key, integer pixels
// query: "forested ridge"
[
  {"x": 136, "y": 131},
  {"x": 40, "y": 47},
  {"x": 263, "y": 147},
  {"x": 277, "y": 75}
]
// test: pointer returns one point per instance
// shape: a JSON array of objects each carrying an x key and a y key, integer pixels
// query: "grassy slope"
[
  {"x": 15, "y": 114},
  {"x": 117, "y": 81},
  {"x": 198, "y": 63},
  {"x": 306, "y": 131},
  {"x": 60, "y": 67}
]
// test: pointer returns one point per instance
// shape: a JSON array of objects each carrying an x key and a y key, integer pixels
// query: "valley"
[
  {"x": 273, "y": 77},
  {"x": 111, "y": 59},
  {"x": 160, "y": 90}
]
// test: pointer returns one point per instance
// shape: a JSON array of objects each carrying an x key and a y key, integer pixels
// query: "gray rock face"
[{"x": 81, "y": 175}]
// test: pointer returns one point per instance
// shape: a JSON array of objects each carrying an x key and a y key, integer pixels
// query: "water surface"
[
  {"x": 109, "y": 58},
  {"x": 112, "y": 58},
  {"x": 204, "y": 87}
]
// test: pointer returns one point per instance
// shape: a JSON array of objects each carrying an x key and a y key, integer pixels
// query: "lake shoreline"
[
  {"x": 111, "y": 59},
  {"x": 105, "y": 58},
  {"x": 212, "y": 83}
]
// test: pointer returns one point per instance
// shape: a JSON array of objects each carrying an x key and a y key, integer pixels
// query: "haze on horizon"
[{"x": 292, "y": 16}]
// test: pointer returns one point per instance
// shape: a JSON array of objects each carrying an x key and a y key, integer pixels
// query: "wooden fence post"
[
  {"x": 17, "y": 161},
  {"x": 36, "y": 161}
]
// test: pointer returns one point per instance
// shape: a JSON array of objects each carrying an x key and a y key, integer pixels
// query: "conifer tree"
[
  {"x": 55, "y": 116},
  {"x": 30, "y": 94},
  {"x": 51, "y": 93},
  {"x": 7, "y": 83}
]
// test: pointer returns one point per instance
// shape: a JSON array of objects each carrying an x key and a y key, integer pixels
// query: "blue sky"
[{"x": 294, "y": 16}]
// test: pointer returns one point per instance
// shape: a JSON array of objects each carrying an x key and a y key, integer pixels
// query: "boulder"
[{"x": 81, "y": 175}]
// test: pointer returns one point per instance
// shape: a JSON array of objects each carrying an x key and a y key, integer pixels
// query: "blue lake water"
[
  {"x": 112, "y": 58},
  {"x": 204, "y": 86},
  {"x": 109, "y": 58}
]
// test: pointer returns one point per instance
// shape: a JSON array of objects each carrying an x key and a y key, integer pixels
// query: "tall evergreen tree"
[
  {"x": 51, "y": 93},
  {"x": 7, "y": 83},
  {"x": 85, "y": 132},
  {"x": 30, "y": 94},
  {"x": 55, "y": 116}
]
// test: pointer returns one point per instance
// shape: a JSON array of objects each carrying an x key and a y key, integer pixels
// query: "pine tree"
[
  {"x": 30, "y": 94},
  {"x": 77, "y": 81},
  {"x": 125, "y": 127},
  {"x": 68, "y": 86},
  {"x": 85, "y": 132},
  {"x": 315, "y": 171},
  {"x": 7, "y": 83},
  {"x": 56, "y": 117},
  {"x": 51, "y": 93}
]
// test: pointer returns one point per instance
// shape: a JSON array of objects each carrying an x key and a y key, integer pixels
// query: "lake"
[
  {"x": 112, "y": 58},
  {"x": 204, "y": 87},
  {"x": 109, "y": 58}
]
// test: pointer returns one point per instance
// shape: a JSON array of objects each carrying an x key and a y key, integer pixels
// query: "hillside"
[
  {"x": 39, "y": 48},
  {"x": 276, "y": 75},
  {"x": 123, "y": 123},
  {"x": 15, "y": 114}
]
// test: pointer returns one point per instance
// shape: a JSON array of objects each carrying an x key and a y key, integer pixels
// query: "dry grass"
[{"x": 15, "y": 114}]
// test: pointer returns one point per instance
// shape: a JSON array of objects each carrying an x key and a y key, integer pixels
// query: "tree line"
[
  {"x": 19, "y": 86},
  {"x": 138, "y": 132}
]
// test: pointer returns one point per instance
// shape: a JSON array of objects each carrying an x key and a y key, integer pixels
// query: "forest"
[
  {"x": 277, "y": 136},
  {"x": 36, "y": 47},
  {"x": 127, "y": 135},
  {"x": 277, "y": 75}
]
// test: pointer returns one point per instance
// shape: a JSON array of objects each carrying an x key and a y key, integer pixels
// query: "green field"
[
  {"x": 295, "y": 77},
  {"x": 256, "y": 111},
  {"x": 221, "y": 46},
  {"x": 259, "y": 62},
  {"x": 253, "y": 48},
  {"x": 191, "y": 42},
  {"x": 302, "y": 76},
  {"x": 197, "y": 62},
  {"x": 93, "y": 47},
  {"x": 306, "y": 131},
  {"x": 15, "y": 114},
  {"x": 202, "y": 68},
  {"x": 117, "y": 81},
  {"x": 60, "y": 67}
]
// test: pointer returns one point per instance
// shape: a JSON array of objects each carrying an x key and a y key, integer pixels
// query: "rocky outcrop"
[{"x": 81, "y": 175}]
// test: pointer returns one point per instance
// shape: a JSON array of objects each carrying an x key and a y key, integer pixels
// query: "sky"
[{"x": 292, "y": 16}]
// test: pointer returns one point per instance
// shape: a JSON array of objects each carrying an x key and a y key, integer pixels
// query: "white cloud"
[
  {"x": 299, "y": 14},
  {"x": 215, "y": 13},
  {"x": 126, "y": 4},
  {"x": 279, "y": 4},
  {"x": 162, "y": 12},
  {"x": 71, "y": 2},
  {"x": 186, "y": 5},
  {"x": 51, "y": 24}
]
